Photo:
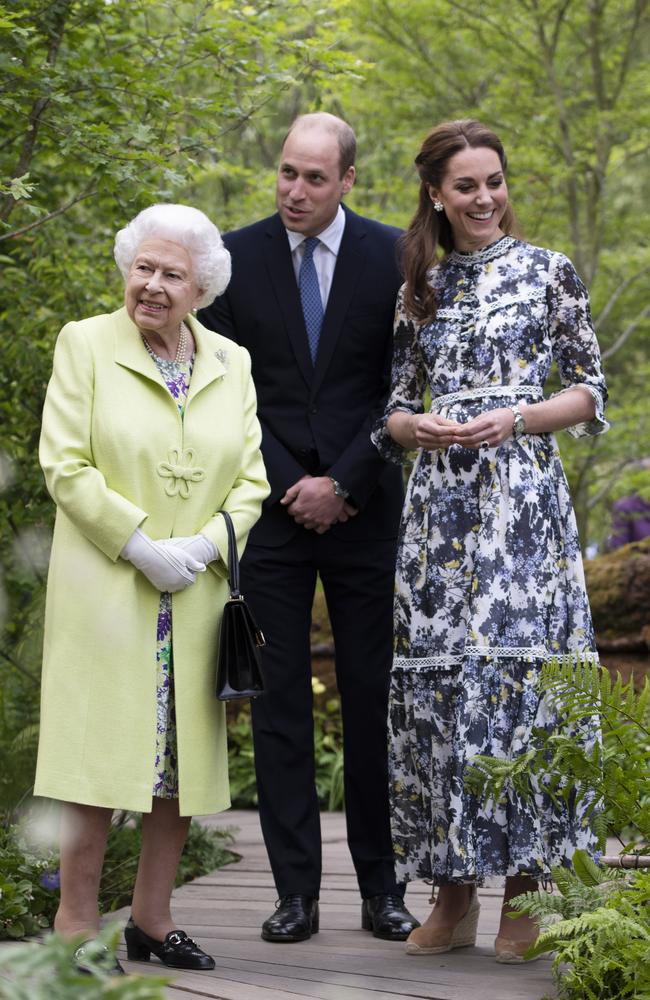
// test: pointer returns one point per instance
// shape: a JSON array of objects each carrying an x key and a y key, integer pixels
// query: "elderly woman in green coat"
[{"x": 149, "y": 430}]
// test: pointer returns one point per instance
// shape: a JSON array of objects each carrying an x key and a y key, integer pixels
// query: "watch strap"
[{"x": 339, "y": 490}]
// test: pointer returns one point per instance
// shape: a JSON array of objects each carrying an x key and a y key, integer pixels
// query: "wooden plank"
[
  {"x": 231, "y": 983},
  {"x": 224, "y": 911}
]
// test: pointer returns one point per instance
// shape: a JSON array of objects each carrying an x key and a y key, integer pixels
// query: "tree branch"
[
  {"x": 38, "y": 107},
  {"x": 615, "y": 296},
  {"x": 88, "y": 193},
  {"x": 627, "y": 332}
]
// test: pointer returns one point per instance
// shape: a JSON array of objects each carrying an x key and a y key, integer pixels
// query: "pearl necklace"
[
  {"x": 182, "y": 345},
  {"x": 181, "y": 348}
]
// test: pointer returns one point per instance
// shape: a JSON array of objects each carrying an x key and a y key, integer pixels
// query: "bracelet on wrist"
[{"x": 519, "y": 422}]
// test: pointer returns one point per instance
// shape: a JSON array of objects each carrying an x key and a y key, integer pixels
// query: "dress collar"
[{"x": 470, "y": 258}]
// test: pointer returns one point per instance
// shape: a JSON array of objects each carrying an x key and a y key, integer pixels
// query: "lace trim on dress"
[
  {"x": 527, "y": 653},
  {"x": 480, "y": 391},
  {"x": 471, "y": 258}
]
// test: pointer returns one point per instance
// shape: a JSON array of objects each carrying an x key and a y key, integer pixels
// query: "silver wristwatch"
[
  {"x": 339, "y": 490},
  {"x": 519, "y": 424}
]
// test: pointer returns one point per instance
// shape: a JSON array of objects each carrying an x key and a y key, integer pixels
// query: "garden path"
[{"x": 224, "y": 911}]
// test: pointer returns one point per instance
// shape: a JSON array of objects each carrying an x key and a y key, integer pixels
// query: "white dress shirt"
[{"x": 325, "y": 253}]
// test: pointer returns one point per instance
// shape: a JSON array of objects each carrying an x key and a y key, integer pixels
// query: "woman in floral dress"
[{"x": 489, "y": 582}]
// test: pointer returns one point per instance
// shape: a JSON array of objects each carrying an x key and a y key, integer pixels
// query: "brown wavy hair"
[{"x": 429, "y": 229}]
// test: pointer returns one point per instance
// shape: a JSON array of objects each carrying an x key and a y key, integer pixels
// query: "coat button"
[{"x": 313, "y": 409}]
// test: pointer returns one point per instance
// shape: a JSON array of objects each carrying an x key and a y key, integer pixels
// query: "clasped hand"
[
  {"x": 313, "y": 503},
  {"x": 170, "y": 564},
  {"x": 431, "y": 431}
]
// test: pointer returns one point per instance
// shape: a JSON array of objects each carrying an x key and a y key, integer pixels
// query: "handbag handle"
[{"x": 233, "y": 559}]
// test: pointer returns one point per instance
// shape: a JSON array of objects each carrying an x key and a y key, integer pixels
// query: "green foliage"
[
  {"x": 615, "y": 775},
  {"x": 241, "y": 758},
  {"x": 105, "y": 108},
  {"x": 598, "y": 926},
  {"x": 46, "y": 972},
  {"x": 26, "y": 903},
  {"x": 328, "y": 745},
  {"x": 328, "y": 742}
]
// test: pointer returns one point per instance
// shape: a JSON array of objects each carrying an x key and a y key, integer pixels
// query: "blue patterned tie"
[{"x": 312, "y": 304}]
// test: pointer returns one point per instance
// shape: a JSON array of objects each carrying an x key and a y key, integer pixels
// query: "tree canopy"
[{"x": 109, "y": 105}]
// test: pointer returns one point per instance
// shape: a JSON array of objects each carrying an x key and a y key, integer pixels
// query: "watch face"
[{"x": 519, "y": 425}]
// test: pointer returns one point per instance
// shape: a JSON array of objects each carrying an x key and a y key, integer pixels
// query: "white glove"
[
  {"x": 198, "y": 546},
  {"x": 168, "y": 569}
]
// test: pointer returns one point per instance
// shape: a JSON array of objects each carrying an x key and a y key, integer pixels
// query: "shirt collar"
[{"x": 331, "y": 236}]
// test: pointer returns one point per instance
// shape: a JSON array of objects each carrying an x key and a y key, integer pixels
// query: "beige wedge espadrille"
[{"x": 432, "y": 941}]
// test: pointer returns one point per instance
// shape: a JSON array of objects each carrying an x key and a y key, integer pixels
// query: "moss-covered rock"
[{"x": 618, "y": 584}]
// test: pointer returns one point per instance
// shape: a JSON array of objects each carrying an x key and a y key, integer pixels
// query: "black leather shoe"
[
  {"x": 387, "y": 917},
  {"x": 82, "y": 964},
  {"x": 178, "y": 951},
  {"x": 295, "y": 919}
]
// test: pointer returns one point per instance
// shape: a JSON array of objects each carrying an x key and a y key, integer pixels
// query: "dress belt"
[{"x": 438, "y": 402}]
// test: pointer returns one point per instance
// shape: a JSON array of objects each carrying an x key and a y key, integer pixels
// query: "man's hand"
[{"x": 312, "y": 502}]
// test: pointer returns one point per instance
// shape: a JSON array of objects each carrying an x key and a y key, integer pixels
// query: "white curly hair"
[{"x": 188, "y": 227}]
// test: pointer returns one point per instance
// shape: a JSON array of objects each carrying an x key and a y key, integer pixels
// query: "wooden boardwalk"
[{"x": 224, "y": 912}]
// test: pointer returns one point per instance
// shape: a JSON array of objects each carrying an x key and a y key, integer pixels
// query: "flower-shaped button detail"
[{"x": 179, "y": 473}]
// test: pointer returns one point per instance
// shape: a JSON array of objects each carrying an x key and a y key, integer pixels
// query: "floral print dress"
[
  {"x": 176, "y": 377},
  {"x": 489, "y": 578}
]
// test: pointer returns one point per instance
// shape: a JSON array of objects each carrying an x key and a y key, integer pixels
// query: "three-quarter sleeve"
[
  {"x": 408, "y": 382},
  {"x": 575, "y": 347}
]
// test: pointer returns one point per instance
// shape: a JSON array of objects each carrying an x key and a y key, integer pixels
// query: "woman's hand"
[
  {"x": 421, "y": 430},
  {"x": 166, "y": 567},
  {"x": 199, "y": 547},
  {"x": 431, "y": 431},
  {"x": 489, "y": 429}
]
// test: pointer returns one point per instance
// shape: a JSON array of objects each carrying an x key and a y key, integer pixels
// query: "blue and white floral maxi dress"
[{"x": 489, "y": 579}]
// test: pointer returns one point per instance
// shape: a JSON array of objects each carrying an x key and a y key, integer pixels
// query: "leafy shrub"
[
  {"x": 28, "y": 896},
  {"x": 599, "y": 928},
  {"x": 599, "y": 923},
  {"x": 46, "y": 972}
]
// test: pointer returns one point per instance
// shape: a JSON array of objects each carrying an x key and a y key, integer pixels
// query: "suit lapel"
[
  {"x": 349, "y": 262},
  {"x": 283, "y": 281}
]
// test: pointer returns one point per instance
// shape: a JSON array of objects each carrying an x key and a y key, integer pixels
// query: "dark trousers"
[{"x": 279, "y": 583}]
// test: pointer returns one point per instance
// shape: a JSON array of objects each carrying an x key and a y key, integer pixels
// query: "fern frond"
[{"x": 587, "y": 870}]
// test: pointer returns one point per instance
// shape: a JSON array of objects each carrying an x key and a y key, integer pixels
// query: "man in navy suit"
[{"x": 316, "y": 316}]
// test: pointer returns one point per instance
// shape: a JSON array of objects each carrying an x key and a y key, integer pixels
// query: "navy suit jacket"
[{"x": 318, "y": 418}]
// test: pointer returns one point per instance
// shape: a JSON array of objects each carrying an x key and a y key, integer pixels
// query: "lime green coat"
[{"x": 117, "y": 455}]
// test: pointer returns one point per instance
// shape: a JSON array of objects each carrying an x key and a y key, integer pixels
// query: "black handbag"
[{"x": 239, "y": 669}]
